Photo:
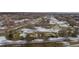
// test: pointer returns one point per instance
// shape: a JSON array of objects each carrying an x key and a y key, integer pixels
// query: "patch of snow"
[
  {"x": 17, "y": 21},
  {"x": 2, "y": 39},
  {"x": 40, "y": 29},
  {"x": 74, "y": 38},
  {"x": 1, "y": 23},
  {"x": 66, "y": 43},
  {"x": 56, "y": 39},
  {"x": 15, "y": 42},
  {"x": 54, "y": 30},
  {"x": 37, "y": 40},
  {"x": 53, "y": 20},
  {"x": 2, "y": 27},
  {"x": 23, "y": 35},
  {"x": 27, "y": 30},
  {"x": 78, "y": 36},
  {"x": 61, "y": 22}
]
